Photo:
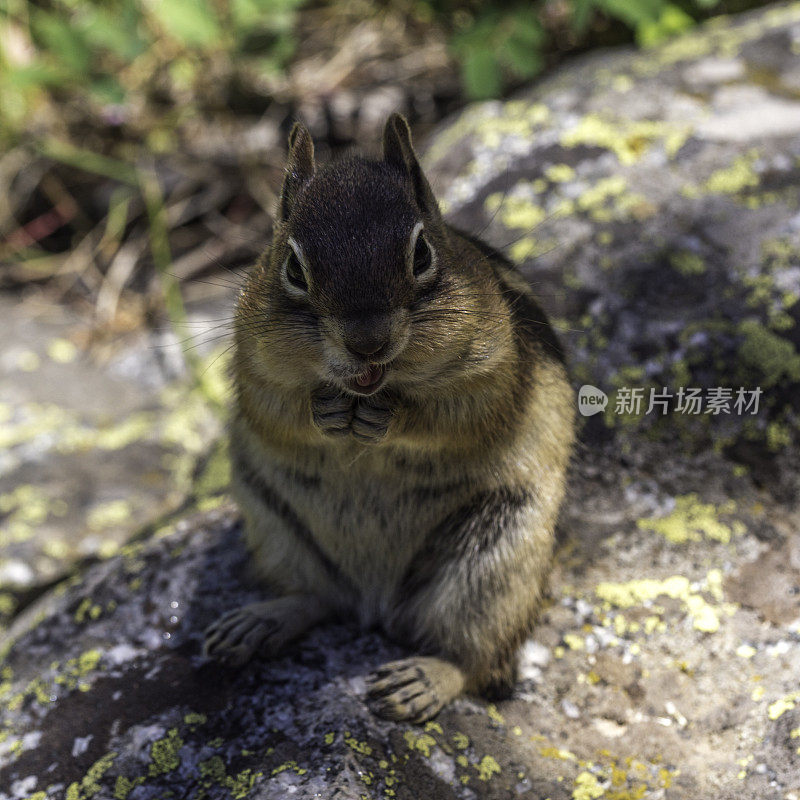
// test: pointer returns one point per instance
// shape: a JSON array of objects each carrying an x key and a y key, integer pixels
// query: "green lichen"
[
  {"x": 240, "y": 785},
  {"x": 164, "y": 753},
  {"x": 774, "y": 357},
  {"x": 89, "y": 785},
  {"x": 289, "y": 765},
  {"x": 734, "y": 178},
  {"x": 108, "y": 514},
  {"x": 215, "y": 475},
  {"x": 124, "y": 786},
  {"x": 87, "y": 610},
  {"x": 687, "y": 263}
]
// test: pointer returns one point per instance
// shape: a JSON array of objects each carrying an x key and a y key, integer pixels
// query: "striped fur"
[{"x": 441, "y": 530}]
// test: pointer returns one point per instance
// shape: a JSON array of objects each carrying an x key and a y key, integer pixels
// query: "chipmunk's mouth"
[{"x": 369, "y": 381}]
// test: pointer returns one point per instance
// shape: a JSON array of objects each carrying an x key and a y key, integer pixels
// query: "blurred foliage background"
[
  {"x": 141, "y": 146},
  {"x": 142, "y": 139}
]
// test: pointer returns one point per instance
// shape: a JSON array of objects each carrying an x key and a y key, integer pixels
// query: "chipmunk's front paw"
[
  {"x": 236, "y": 636},
  {"x": 414, "y": 689},
  {"x": 332, "y": 411},
  {"x": 371, "y": 419}
]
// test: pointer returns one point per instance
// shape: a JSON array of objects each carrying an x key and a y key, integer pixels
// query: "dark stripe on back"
[
  {"x": 281, "y": 508},
  {"x": 463, "y": 536}
]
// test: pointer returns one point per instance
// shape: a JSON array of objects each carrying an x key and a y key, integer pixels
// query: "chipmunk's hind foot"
[
  {"x": 263, "y": 628},
  {"x": 414, "y": 689}
]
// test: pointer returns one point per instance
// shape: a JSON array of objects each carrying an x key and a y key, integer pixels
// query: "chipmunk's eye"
[
  {"x": 423, "y": 255},
  {"x": 293, "y": 271}
]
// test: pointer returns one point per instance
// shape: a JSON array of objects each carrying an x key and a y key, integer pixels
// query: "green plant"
[
  {"x": 501, "y": 43},
  {"x": 105, "y": 53}
]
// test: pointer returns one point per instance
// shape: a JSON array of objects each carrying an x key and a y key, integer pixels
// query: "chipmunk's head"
[{"x": 359, "y": 289}]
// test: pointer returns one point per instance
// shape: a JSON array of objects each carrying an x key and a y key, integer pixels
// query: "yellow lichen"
[
  {"x": 627, "y": 139},
  {"x": 734, "y": 178},
  {"x": 62, "y": 351},
  {"x": 688, "y": 522},
  {"x": 433, "y": 726},
  {"x": 586, "y": 787},
  {"x": 461, "y": 741},
  {"x": 422, "y": 742},
  {"x": 780, "y": 707},
  {"x": 560, "y": 173},
  {"x": 487, "y": 767},
  {"x": 574, "y": 641},
  {"x": 557, "y": 752},
  {"x": 637, "y": 592},
  {"x": 494, "y": 714},
  {"x": 359, "y": 747}
]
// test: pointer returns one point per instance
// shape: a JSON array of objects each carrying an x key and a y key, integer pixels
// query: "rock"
[
  {"x": 91, "y": 448},
  {"x": 654, "y": 199},
  {"x": 661, "y": 668}
]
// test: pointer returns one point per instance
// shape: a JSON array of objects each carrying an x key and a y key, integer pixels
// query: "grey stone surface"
[
  {"x": 656, "y": 202},
  {"x": 94, "y": 441}
]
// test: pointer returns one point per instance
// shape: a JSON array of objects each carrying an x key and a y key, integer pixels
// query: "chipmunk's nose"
[{"x": 367, "y": 335}]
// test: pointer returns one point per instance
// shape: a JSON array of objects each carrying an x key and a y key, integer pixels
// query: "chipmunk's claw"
[
  {"x": 238, "y": 635},
  {"x": 413, "y": 689},
  {"x": 337, "y": 414},
  {"x": 371, "y": 418},
  {"x": 332, "y": 411}
]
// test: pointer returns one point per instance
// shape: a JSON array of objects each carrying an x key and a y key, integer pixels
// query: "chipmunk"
[{"x": 402, "y": 427}]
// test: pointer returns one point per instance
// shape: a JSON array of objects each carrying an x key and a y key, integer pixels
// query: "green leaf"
[
  {"x": 117, "y": 33},
  {"x": 672, "y": 21},
  {"x": 63, "y": 41},
  {"x": 88, "y": 161},
  {"x": 33, "y": 75},
  {"x": 108, "y": 90},
  {"x": 526, "y": 61},
  {"x": 191, "y": 22},
  {"x": 582, "y": 12},
  {"x": 527, "y": 29},
  {"x": 481, "y": 74},
  {"x": 263, "y": 13},
  {"x": 634, "y": 14}
]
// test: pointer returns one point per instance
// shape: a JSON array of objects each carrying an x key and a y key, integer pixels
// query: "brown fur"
[{"x": 429, "y": 506}]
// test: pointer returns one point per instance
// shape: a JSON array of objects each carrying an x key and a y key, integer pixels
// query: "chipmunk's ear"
[
  {"x": 299, "y": 167},
  {"x": 399, "y": 152}
]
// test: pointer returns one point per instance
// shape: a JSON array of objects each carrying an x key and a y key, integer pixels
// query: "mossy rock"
[
  {"x": 653, "y": 200},
  {"x": 664, "y": 664}
]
